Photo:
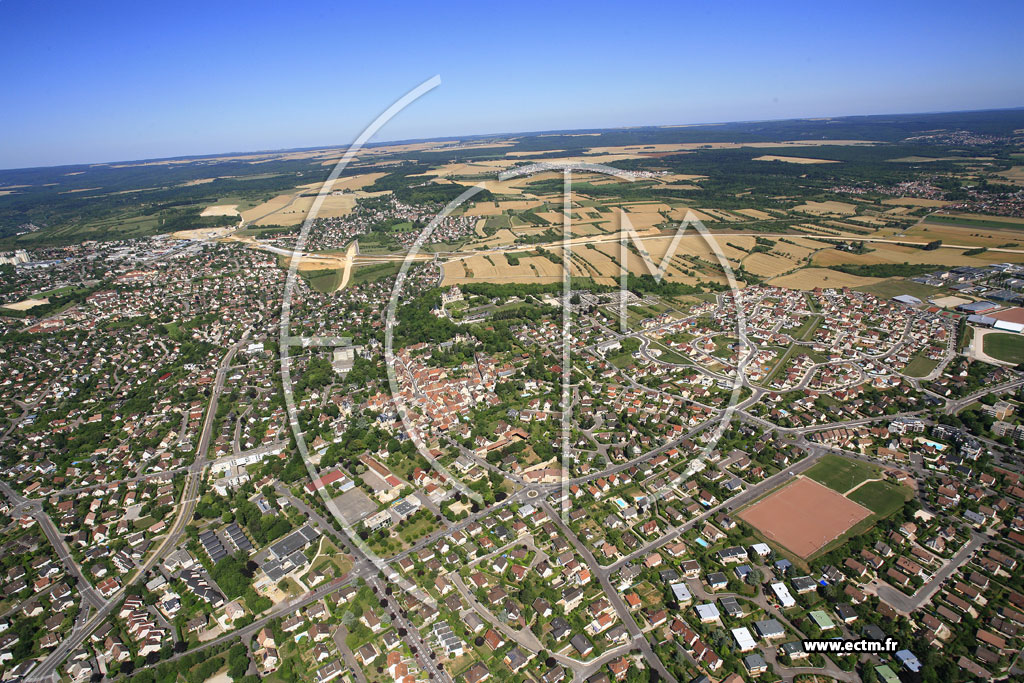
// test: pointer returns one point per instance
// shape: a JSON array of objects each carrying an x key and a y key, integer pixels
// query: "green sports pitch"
[{"x": 841, "y": 474}]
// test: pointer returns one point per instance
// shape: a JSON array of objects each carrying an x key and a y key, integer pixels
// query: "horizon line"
[{"x": 439, "y": 138}]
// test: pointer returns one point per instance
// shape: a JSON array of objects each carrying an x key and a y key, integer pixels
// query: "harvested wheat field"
[
  {"x": 1014, "y": 176},
  {"x": 768, "y": 265},
  {"x": 756, "y": 213},
  {"x": 1013, "y": 220},
  {"x": 972, "y": 237},
  {"x": 498, "y": 208},
  {"x": 220, "y": 210},
  {"x": 817, "y": 229},
  {"x": 638, "y": 266},
  {"x": 478, "y": 268},
  {"x": 804, "y": 516},
  {"x": 682, "y": 213},
  {"x": 871, "y": 221},
  {"x": 680, "y": 177},
  {"x": 645, "y": 220},
  {"x": 355, "y": 182},
  {"x": 291, "y": 209},
  {"x": 796, "y": 248},
  {"x": 895, "y": 253},
  {"x": 809, "y": 278},
  {"x": 826, "y": 208},
  {"x": 503, "y": 237},
  {"x": 723, "y": 215}
]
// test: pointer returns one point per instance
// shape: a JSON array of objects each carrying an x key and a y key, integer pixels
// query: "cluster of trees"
[
  {"x": 317, "y": 374},
  {"x": 257, "y": 524},
  {"x": 886, "y": 269},
  {"x": 416, "y": 322},
  {"x": 549, "y": 235}
]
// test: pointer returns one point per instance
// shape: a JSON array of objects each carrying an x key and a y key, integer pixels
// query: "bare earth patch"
[
  {"x": 804, "y": 516},
  {"x": 809, "y": 278},
  {"x": 26, "y": 304},
  {"x": 221, "y": 210}
]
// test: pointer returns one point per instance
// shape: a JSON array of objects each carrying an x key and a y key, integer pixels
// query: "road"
[
  {"x": 56, "y": 539},
  {"x": 739, "y": 500},
  {"x": 907, "y": 604},
  {"x": 614, "y": 596}
]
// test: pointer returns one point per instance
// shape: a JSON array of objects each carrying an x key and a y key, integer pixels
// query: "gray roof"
[{"x": 297, "y": 540}]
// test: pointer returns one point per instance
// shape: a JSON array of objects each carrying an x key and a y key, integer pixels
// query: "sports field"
[
  {"x": 841, "y": 474},
  {"x": 804, "y": 516},
  {"x": 1007, "y": 347},
  {"x": 881, "y": 497}
]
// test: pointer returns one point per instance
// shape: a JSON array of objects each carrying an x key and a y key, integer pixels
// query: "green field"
[
  {"x": 841, "y": 474},
  {"x": 1005, "y": 346},
  {"x": 372, "y": 273},
  {"x": 920, "y": 366},
  {"x": 670, "y": 356},
  {"x": 497, "y": 222},
  {"x": 325, "y": 280},
  {"x": 973, "y": 222},
  {"x": 806, "y": 329},
  {"x": 881, "y": 497},
  {"x": 896, "y": 286}
]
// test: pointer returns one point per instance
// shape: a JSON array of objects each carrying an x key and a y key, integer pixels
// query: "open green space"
[
  {"x": 881, "y": 497},
  {"x": 960, "y": 221},
  {"x": 841, "y": 474},
  {"x": 372, "y": 273},
  {"x": 896, "y": 286},
  {"x": 1005, "y": 346},
  {"x": 920, "y": 366},
  {"x": 325, "y": 280}
]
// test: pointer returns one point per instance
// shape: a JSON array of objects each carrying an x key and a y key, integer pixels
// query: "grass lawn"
[
  {"x": 325, "y": 280},
  {"x": 783, "y": 359},
  {"x": 881, "y": 497},
  {"x": 1008, "y": 347},
  {"x": 668, "y": 355},
  {"x": 372, "y": 273},
  {"x": 722, "y": 345},
  {"x": 417, "y": 529},
  {"x": 920, "y": 366},
  {"x": 805, "y": 330},
  {"x": 841, "y": 474},
  {"x": 622, "y": 359},
  {"x": 966, "y": 335},
  {"x": 498, "y": 222}
]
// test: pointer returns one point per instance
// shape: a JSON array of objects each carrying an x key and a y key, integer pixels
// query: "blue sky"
[{"x": 106, "y": 81}]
